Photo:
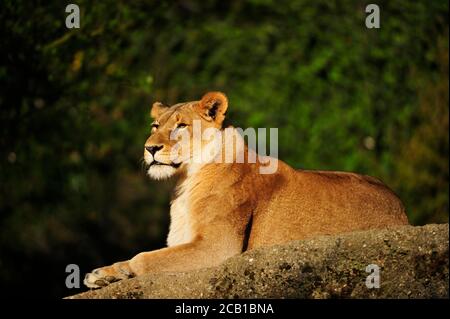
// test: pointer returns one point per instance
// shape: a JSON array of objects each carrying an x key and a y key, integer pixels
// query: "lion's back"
[{"x": 325, "y": 203}]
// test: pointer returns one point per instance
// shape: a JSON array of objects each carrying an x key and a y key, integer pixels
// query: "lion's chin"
[{"x": 159, "y": 172}]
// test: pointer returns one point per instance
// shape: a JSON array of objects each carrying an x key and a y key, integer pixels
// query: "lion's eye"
[
  {"x": 181, "y": 125},
  {"x": 154, "y": 126}
]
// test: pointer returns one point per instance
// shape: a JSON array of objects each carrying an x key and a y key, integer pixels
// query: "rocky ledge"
[{"x": 403, "y": 262}]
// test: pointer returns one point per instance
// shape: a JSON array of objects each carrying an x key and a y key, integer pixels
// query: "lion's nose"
[{"x": 152, "y": 149}]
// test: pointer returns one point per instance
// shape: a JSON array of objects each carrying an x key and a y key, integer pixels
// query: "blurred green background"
[{"x": 74, "y": 111}]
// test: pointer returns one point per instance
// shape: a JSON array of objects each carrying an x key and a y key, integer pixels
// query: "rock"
[{"x": 413, "y": 263}]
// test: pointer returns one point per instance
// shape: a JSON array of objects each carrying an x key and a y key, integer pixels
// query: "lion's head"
[{"x": 163, "y": 152}]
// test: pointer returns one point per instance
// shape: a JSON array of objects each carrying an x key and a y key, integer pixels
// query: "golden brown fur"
[{"x": 222, "y": 209}]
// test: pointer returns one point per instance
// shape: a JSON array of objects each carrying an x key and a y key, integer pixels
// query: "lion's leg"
[{"x": 185, "y": 257}]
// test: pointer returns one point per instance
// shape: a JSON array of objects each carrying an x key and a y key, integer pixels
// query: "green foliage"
[{"x": 74, "y": 110}]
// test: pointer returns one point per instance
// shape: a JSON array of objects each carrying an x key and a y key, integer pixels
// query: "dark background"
[{"x": 74, "y": 112}]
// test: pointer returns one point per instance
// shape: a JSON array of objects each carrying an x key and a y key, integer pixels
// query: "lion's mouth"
[{"x": 174, "y": 165}]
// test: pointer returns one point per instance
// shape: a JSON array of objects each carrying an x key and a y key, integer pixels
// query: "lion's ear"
[
  {"x": 213, "y": 106},
  {"x": 157, "y": 109}
]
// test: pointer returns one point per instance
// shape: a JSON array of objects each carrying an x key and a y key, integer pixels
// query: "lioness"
[{"x": 223, "y": 209}]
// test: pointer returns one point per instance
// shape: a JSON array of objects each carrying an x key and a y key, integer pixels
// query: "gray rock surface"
[{"x": 413, "y": 263}]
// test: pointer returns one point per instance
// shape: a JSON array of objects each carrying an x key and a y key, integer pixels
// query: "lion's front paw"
[
  {"x": 98, "y": 278},
  {"x": 103, "y": 276}
]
